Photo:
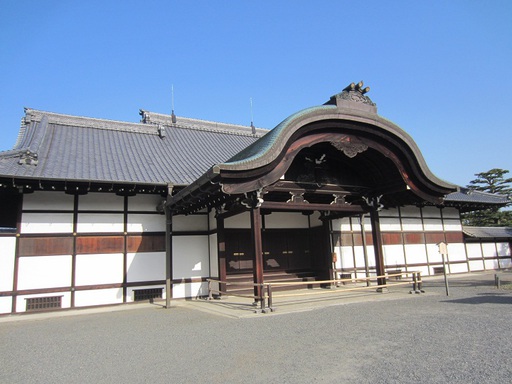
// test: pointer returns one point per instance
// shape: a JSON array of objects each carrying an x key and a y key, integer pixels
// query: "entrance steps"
[{"x": 238, "y": 282}]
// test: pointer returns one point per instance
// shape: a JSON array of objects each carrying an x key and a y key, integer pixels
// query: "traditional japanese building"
[{"x": 100, "y": 212}]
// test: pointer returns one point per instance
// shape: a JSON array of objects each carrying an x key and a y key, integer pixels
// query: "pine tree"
[{"x": 492, "y": 181}]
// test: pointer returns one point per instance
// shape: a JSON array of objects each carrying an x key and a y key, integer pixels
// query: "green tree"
[{"x": 492, "y": 181}]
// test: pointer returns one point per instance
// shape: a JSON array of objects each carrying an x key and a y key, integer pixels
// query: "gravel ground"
[{"x": 431, "y": 338}]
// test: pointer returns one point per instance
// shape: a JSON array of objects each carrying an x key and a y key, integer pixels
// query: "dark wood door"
[{"x": 239, "y": 253}]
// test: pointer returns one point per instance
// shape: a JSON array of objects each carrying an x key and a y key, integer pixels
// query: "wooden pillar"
[
  {"x": 221, "y": 251},
  {"x": 258, "y": 252},
  {"x": 168, "y": 257},
  {"x": 377, "y": 246}
]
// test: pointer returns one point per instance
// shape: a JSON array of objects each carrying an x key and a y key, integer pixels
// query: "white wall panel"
[
  {"x": 214, "y": 257},
  {"x": 21, "y": 302},
  {"x": 146, "y": 203},
  {"x": 489, "y": 250},
  {"x": 390, "y": 212},
  {"x": 5, "y": 304},
  {"x": 314, "y": 220},
  {"x": 98, "y": 297},
  {"x": 286, "y": 220},
  {"x": 239, "y": 221},
  {"x": 474, "y": 250},
  {"x": 190, "y": 223},
  {"x": 97, "y": 201},
  {"x": 44, "y": 272},
  {"x": 99, "y": 269},
  {"x": 393, "y": 254},
  {"x": 505, "y": 263},
  {"x": 190, "y": 256},
  {"x": 48, "y": 201},
  {"x": 356, "y": 224},
  {"x": 412, "y": 225},
  {"x": 433, "y": 224},
  {"x": 180, "y": 291},
  {"x": 46, "y": 223},
  {"x": 431, "y": 212},
  {"x": 145, "y": 223},
  {"x": 415, "y": 253},
  {"x": 456, "y": 252},
  {"x": 347, "y": 256},
  {"x": 97, "y": 223},
  {"x": 452, "y": 225},
  {"x": 476, "y": 265},
  {"x": 490, "y": 264},
  {"x": 503, "y": 249},
  {"x": 459, "y": 268},
  {"x": 7, "y": 254},
  {"x": 451, "y": 213},
  {"x": 145, "y": 266},
  {"x": 390, "y": 224},
  {"x": 212, "y": 220},
  {"x": 433, "y": 254},
  {"x": 341, "y": 225},
  {"x": 410, "y": 211}
]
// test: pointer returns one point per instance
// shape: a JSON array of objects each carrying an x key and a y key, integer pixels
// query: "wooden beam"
[
  {"x": 302, "y": 207},
  {"x": 258, "y": 253}
]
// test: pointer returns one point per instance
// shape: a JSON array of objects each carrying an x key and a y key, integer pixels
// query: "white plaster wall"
[
  {"x": 21, "y": 303},
  {"x": 145, "y": 223},
  {"x": 98, "y": 297},
  {"x": 356, "y": 224},
  {"x": 341, "y": 224},
  {"x": 99, "y": 269},
  {"x": 431, "y": 212},
  {"x": 489, "y": 250},
  {"x": 214, "y": 257},
  {"x": 314, "y": 220},
  {"x": 451, "y": 225},
  {"x": 451, "y": 213},
  {"x": 190, "y": 223},
  {"x": 503, "y": 249},
  {"x": 146, "y": 203},
  {"x": 98, "y": 201},
  {"x": 410, "y": 211},
  {"x": 490, "y": 264},
  {"x": 433, "y": 254},
  {"x": 456, "y": 252},
  {"x": 46, "y": 223},
  {"x": 412, "y": 224},
  {"x": 347, "y": 256},
  {"x": 474, "y": 250},
  {"x": 189, "y": 290},
  {"x": 286, "y": 220},
  {"x": 239, "y": 221},
  {"x": 7, "y": 254},
  {"x": 190, "y": 256},
  {"x": 98, "y": 223},
  {"x": 393, "y": 254},
  {"x": 476, "y": 265},
  {"x": 45, "y": 200},
  {"x": 212, "y": 220},
  {"x": 145, "y": 266},
  {"x": 416, "y": 253},
  {"x": 459, "y": 268},
  {"x": 389, "y": 224},
  {"x": 433, "y": 224},
  {"x": 5, "y": 304},
  {"x": 44, "y": 272},
  {"x": 390, "y": 212},
  {"x": 130, "y": 295},
  {"x": 505, "y": 263}
]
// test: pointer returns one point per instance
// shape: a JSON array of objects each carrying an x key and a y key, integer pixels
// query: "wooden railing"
[{"x": 266, "y": 301}]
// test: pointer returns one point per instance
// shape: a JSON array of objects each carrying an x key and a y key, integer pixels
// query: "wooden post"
[
  {"x": 168, "y": 250},
  {"x": 221, "y": 251},
  {"x": 377, "y": 247},
  {"x": 258, "y": 253}
]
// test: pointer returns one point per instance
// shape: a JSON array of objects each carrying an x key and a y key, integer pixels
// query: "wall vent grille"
[
  {"x": 43, "y": 303},
  {"x": 147, "y": 294}
]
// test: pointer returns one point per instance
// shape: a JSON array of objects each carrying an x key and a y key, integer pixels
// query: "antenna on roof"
[
  {"x": 253, "y": 128},
  {"x": 173, "y": 116}
]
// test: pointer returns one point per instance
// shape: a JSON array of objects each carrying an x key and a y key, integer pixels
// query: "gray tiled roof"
[
  {"x": 64, "y": 147},
  {"x": 488, "y": 232},
  {"x": 466, "y": 195}
]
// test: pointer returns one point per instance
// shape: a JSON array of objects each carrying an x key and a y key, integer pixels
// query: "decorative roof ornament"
[
  {"x": 351, "y": 148},
  {"x": 353, "y": 97}
]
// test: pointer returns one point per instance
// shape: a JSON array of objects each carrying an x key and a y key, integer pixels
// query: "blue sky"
[{"x": 441, "y": 70}]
